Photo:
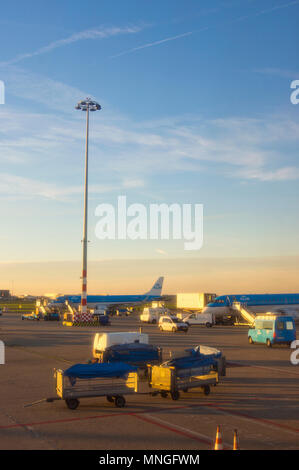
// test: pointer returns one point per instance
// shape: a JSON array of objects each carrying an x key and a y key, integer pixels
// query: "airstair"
[
  {"x": 244, "y": 311},
  {"x": 71, "y": 312}
]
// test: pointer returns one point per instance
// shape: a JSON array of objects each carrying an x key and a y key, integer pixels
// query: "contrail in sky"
[
  {"x": 189, "y": 33},
  {"x": 156, "y": 43}
]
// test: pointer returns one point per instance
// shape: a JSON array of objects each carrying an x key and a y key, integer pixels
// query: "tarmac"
[{"x": 258, "y": 396}]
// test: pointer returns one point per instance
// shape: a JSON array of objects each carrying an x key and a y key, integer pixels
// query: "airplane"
[
  {"x": 106, "y": 301},
  {"x": 257, "y": 303}
]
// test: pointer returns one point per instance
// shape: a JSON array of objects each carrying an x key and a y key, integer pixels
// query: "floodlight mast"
[{"x": 85, "y": 105}]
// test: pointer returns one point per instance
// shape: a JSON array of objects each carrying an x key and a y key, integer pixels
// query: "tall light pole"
[{"x": 86, "y": 105}]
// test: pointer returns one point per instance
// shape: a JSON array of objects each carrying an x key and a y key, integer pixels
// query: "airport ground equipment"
[
  {"x": 244, "y": 311},
  {"x": 168, "y": 323},
  {"x": 137, "y": 354},
  {"x": 205, "y": 352},
  {"x": 218, "y": 440},
  {"x": 152, "y": 315},
  {"x": 197, "y": 318},
  {"x": 95, "y": 380},
  {"x": 272, "y": 329},
  {"x": 103, "y": 341},
  {"x": 31, "y": 316},
  {"x": 192, "y": 301},
  {"x": 200, "y": 367},
  {"x": 168, "y": 380},
  {"x": 73, "y": 318},
  {"x": 236, "y": 444}
]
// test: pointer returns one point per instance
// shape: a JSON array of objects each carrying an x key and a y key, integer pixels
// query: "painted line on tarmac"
[
  {"x": 238, "y": 364},
  {"x": 86, "y": 418},
  {"x": 263, "y": 421},
  {"x": 179, "y": 430},
  {"x": 107, "y": 415},
  {"x": 36, "y": 353}
]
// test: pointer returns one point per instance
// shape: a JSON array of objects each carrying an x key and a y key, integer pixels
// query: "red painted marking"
[
  {"x": 84, "y": 273},
  {"x": 69, "y": 420},
  {"x": 253, "y": 418},
  {"x": 172, "y": 429},
  {"x": 83, "y": 302},
  {"x": 84, "y": 287},
  {"x": 155, "y": 410}
]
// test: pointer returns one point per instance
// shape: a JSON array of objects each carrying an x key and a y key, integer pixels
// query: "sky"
[{"x": 196, "y": 109}]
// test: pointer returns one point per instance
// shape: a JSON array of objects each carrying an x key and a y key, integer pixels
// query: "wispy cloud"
[
  {"x": 19, "y": 187},
  {"x": 132, "y": 152},
  {"x": 96, "y": 33},
  {"x": 290, "y": 74},
  {"x": 151, "y": 44},
  {"x": 261, "y": 174}
]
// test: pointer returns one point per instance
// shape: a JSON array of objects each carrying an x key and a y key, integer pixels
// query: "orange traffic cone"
[
  {"x": 236, "y": 445},
  {"x": 218, "y": 441}
]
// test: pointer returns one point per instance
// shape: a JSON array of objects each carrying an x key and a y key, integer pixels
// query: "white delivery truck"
[
  {"x": 196, "y": 318},
  {"x": 102, "y": 341},
  {"x": 151, "y": 315}
]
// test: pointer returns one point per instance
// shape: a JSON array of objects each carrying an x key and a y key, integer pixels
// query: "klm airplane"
[
  {"x": 256, "y": 303},
  {"x": 105, "y": 301}
]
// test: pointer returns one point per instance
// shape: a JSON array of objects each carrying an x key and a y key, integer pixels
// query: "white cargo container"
[{"x": 102, "y": 341}]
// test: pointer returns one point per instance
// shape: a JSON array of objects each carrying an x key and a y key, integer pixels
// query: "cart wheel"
[
  {"x": 173, "y": 330},
  {"x": 110, "y": 398},
  {"x": 250, "y": 340},
  {"x": 164, "y": 394},
  {"x": 175, "y": 395},
  {"x": 268, "y": 343},
  {"x": 206, "y": 389},
  {"x": 119, "y": 401},
  {"x": 72, "y": 403}
]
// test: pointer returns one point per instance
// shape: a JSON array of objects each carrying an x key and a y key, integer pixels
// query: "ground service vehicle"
[
  {"x": 51, "y": 316},
  {"x": 167, "y": 323},
  {"x": 271, "y": 329},
  {"x": 102, "y": 318},
  {"x": 151, "y": 315},
  {"x": 200, "y": 319},
  {"x": 31, "y": 316},
  {"x": 103, "y": 341}
]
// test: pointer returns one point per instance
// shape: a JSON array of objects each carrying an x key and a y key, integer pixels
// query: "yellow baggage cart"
[{"x": 168, "y": 380}]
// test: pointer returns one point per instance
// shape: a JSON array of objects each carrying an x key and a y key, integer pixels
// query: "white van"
[
  {"x": 206, "y": 319},
  {"x": 167, "y": 323},
  {"x": 151, "y": 315}
]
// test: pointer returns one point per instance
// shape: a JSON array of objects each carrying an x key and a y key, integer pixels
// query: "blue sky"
[{"x": 196, "y": 109}]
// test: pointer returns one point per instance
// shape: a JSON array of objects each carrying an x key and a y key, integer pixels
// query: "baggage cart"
[
  {"x": 169, "y": 380},
  {"x": 114, "y": 389}
]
